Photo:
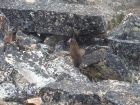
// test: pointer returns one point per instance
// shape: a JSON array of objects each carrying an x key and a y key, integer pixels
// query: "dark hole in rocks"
[{"x": 43, "y": 37}]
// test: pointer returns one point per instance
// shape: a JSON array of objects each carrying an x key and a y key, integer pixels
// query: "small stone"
[
  {"x": 36, "y": 101},
  {"x": 135, "y": 28}
]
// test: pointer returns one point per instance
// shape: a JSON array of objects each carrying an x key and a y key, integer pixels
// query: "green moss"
[
  {"x": 92, "y": 73},
  {"x": 95, "y": 74},
  {"x": 109, "y": 25},
  {"x": 120, "y": 17},
  {"x": 114, "y": 23},
  {"x": 116, "y": 20}
]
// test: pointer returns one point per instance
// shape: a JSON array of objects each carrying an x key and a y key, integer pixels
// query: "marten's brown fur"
[
  {"x": 75, "y": 52},
  {"x": 30, "y": 104}
]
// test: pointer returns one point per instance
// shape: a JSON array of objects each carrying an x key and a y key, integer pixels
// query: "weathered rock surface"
[
  {"x": 29, "y": 74},
  {"x": 71, "y": 1},
  {"x": 100, "y": 93},
  {"x": 5, "y": 69},
  {"x": 124, "y": 40},
  {"x": 101, "y": 64},
  {"x": 53, "y": 18},
  {"x": 115, "y": 10},
  {"x": 27, "y": 65},
  {"x": 28, "y": 71}
]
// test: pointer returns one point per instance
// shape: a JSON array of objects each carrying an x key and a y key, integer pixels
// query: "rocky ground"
[{"x": 35, "y": 62}]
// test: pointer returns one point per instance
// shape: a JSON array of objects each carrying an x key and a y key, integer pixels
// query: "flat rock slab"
[
  {"x": 124, "y": 40},
  {"x": 99, "y": 62},
  {"x": 29, "y": 65},
  {"x": 54, "y": 18},
  {"x": 111, "y": 92}
]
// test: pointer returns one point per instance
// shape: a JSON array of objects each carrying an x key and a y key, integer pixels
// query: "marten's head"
[{"x": 72, "y": 42}]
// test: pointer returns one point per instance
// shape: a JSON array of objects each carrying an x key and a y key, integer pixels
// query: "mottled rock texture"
[
  {"x": 58, "y": 96},
  {"x": 27, "y": 71},
  {"x": 98, "y": 62},
  {"x": 124, "y": 40},
  {"x": 100, "y": 93},
  {"x": 30, "y": 68},
  {"x": 55, "y": 18},
  {"x": 5, "y": 69}
]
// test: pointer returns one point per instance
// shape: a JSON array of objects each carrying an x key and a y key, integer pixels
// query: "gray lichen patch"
[
  {"x": 5, "y": 69},
  {"x": 7, "y": 90},
  {"x": 29, "y": 64},
  {"x": 59, "y": 68},
  {"x": 52, "y": 6}
]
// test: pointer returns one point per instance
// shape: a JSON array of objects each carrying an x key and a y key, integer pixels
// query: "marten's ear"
[{"x": 69, "y": 40}]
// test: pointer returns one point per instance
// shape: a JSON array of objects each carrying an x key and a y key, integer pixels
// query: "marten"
[{"x": 75, "y": 52}]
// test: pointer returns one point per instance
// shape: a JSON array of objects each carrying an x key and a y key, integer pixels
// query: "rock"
[
  {"x": 70, "y": 94},
  {"x": 72, "y": 1},
  {"x": 11, "y": 90},
  {"x": 36, "y": 101},
  {"x": 103, "y": 65},
  {"x": 124, "y": 41},
  {"x": 29, "y": 64},
  {"x": 92, "y": 41},
  {"x": 104, "y": 92},
  {"x": 13, "y": 95},
  {"x": 55, "y": 18},
  {"x": 53, "y": 41},
  {"x": 25, "y": 71},
  {"x": 28, "y": 71},
  {"x": 132, "y": 96},
  {"x": 24, "y": 42},
  {"x": 1, "y": 45},
  {"x": 6, "y": 69},
  {"x": 61, "y": 68},
  {"x": 10, "y": 47},
  {"x": 45, "y": 49}
]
